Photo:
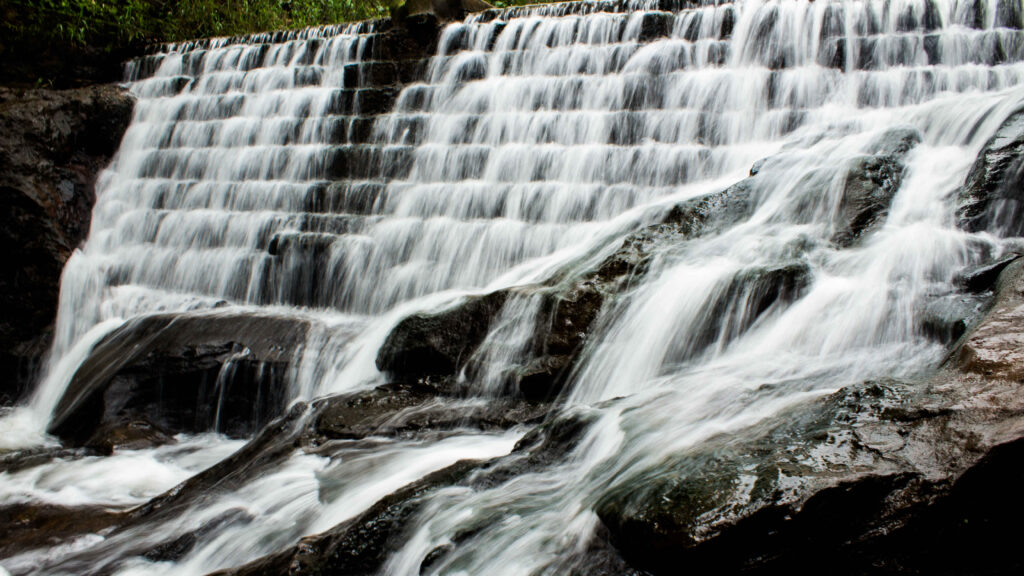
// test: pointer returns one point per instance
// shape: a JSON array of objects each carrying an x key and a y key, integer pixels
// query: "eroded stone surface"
[{"x": 53, "y": 143}]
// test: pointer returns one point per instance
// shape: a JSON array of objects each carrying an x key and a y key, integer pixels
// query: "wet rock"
[
  {"x": 187, "y": 372},
  {"x": 871, "y": 182},
  {"x": 134, "y": 435},
  {"x": 15, "y": 460},
  {"x": 441, "y": 343},
  {"x": 34, "y": 525},
  {"x": 177, "y": 549},
  {"x": 876, "y": 478},
  {"x": 263, "y": 454},
  {"x": 995, "y": 349},
  {"x": 543, "y": 377},
  {"x": 408, "y": 410},
  {"x": 749, "y": 295},
  {"x": 947, "y": 318},
  {"x": 541, "y": 447},
  {"x": 983, "y": 277},
  {"x": 361, "y": 545},
  {"x": 52, "y": 146},
  {"x": 991, "y": 197}
]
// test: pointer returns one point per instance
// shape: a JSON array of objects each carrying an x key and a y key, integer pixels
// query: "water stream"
[{"x": 536, "y": 141}]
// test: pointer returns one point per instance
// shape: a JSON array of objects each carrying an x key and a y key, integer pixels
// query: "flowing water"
[{"x": 251, "y": 180}]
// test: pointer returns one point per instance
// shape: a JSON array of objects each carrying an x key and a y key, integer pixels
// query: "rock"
[
  {"x": 983, "y": 277},
  {"x": 177, "y": 549},
  {"x": 442, "y": 344},
  {"x": 871, "y": 182},
  {"x": 946, "y": 318},
  {"x": 181, "y": 372},
  {"x": 133, "y": 435},
  {"x": 991, "y": 197},
  {"x": 876, "y": 478},
  {"x": 749, "y": 295},
  {"x": 407, "y": 410},
  {"x": 439, "y": 344},
  {"x": 52, "y": 145},
  {"x": 264, "y": 453},
  {"x": 21, "y": 459},
  {"x": 995, "y": 349},
  {"x": 543, "y": 377},
  {"x": 35, "y": 525},
  {"x": 361, "y": 545}
]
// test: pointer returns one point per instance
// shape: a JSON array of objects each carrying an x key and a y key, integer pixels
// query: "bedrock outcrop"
[
  {"x": 53, "y": 144},
  {"x": 881, "y": 477}
]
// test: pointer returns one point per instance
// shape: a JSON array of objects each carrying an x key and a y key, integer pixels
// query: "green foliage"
[
  {"x": 112, "y": 24},
  {"x": 508, "y": 3}
]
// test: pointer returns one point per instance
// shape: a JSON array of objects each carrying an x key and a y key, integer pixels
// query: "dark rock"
[
  {"x": 134, "y": 435},
  {"x": 410, "y": 410},
  {"x": 749, "y": 295},
  {"x": 871, "y": 183},
  {"x": 655, "y": 25},
  {"x": 992, "y": 195},
  {"x": 261, "y": 455},
  {"x": 52, "y": 146},
  {"x": 877, "y": 478},
  {"x": 361, "y": 545},
  {"x": 181, "y": 372},
  {"x": 15, "y": 460},
  {"x": 33, "y": 525},
  {"x": 177, "y": 549},
  {"x": 983, "y": 277},
  {"x": 543, "y": 377},
  {"x": 441, "y": 343},
  {"x": 948, "y": 317}
]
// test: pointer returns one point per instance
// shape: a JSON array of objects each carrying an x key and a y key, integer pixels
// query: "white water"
[{"x": 537, "y": 141}]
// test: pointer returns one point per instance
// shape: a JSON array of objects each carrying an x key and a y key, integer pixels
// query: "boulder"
[
  {"x": 870, "y": 184},
  {"x": 53, "y": 143},
  {"x": 438, "y": 344},
  {"x": 881, "y": 477},
  {"x": 180, "y": 373},
  {"x": 992, "y": 195}
]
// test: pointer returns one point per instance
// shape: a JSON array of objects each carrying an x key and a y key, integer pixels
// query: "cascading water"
[{"x": 251, "y": 180}]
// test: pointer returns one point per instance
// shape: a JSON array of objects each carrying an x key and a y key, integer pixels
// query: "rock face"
[
  {"x": 438, "y": 344},
  {"x": 870, "y": 184},
  {"x": 171, "y": 373},
  {"x": 881, "y": 477},
  {"x": 442, "y": 344},
  {"x": 52, "y": 146},
  {"x": 992, "y": 197}
]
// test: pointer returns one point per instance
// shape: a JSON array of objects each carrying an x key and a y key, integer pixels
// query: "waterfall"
[{"x": 284, "y": 175}]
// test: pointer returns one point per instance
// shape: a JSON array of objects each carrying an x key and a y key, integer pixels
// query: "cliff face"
[{"x": 53, "y": 144}]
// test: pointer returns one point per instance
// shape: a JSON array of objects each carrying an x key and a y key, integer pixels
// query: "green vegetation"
[
  {"x": 64, "y": 43},
  {"x": 113, "y": 24}
]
